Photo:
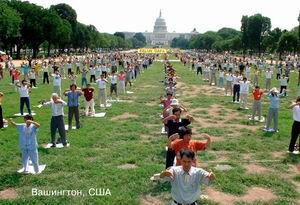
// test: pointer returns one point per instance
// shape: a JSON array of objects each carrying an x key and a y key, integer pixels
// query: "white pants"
[{"x": 89, "y": 104}]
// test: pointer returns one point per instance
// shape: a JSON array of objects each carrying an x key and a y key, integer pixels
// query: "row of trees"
[
  {"x": 27, "y": 25},
  {"x": 255, "y": 36}
]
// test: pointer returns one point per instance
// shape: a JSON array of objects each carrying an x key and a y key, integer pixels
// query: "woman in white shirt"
[
  {"x": 244, "y": 90},
  {"x": 24, "y": 90},
  {"x": 283, "y": 83},
  {"x": 296, "y": 126},
  {"x": 229, "y": 79},
  {"x": 221, "y": 78}
]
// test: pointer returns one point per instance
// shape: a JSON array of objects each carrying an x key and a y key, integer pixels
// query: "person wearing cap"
[
  {"x": 296, "y": 125},
  {"x": 174, "y": 104},
  {"x": 273, "y": 110},
  {"x": 57, "y": 119},
  {"x": 73, "y": 104},
  {"x": 186, "y": 180},
  {"x": 28, "y": 142}
]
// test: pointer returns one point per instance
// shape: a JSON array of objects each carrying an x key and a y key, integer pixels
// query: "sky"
[{"x": 180, "y": 15}]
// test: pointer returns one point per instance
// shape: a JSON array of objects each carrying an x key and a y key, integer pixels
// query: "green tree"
[
  {"x": 244, "y": 30},
  {"x": 120, "y": 34},
  {"x": 258, "y": 26},
  {"x": 32, "y": 28},
  {"x": 180, "y": 42},
  {"x": 288, "y": 42},
  {"x": 228, "y": 33},
  {"x": 10, "y": 21}
]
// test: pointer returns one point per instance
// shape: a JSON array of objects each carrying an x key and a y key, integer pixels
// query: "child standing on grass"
[
  {"x": 28, "y": 142},
  {"x": 24, "y": 90},
  {"x": 121, "y": 79},
  {"x": 257, "y": 95},
  {"x": 89, "y": 100}
]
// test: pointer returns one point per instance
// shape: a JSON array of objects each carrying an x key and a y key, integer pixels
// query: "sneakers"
[
  {"x": 53, "y": 145},
  {"x": 294, "y": 152}
]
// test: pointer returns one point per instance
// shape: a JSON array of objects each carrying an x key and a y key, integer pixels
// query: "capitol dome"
[{"x": 160, "y": 25}]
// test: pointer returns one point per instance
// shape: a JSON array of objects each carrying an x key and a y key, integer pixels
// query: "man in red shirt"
[
  {"x": 177, "y": 144},
  {"x": 257, "y": 95},
  {"x": 89, "y": 100}
]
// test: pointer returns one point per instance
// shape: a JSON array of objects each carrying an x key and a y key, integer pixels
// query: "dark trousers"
[
  {"x": 170, "y": 158},
  {"x": 1, "y": 118},
  {"x": 236, "y": 92},
  {"x": 33, "y": 82},
  {"x": 295, "y": 134},
  {"x": 282, "y": 87},
  {"x": 46, "y": 77},
  {"x": 73, "y": 111},
  {"x": 25, "y": 100},
  {"x": 69, "y": 71},
  {"x": 278, "y": 76},
  {"x": 199, "y": 70},
  {"x": 57, "y": 122},
  {"x": 92, "y": 78}
]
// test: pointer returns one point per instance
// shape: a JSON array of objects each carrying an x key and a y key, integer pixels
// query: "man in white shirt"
[
  {"x": 186, "y": 180},
  {"x": 244, "y": 90},
  {"x": 113, "y": 86},
  {"x": 57, "y": 120},
  {"x": 236, "y": 87},
  {"x": 102, "y": 90},
  {"x": 296, "y": 126},
  {"x": 268, "y": 79}
]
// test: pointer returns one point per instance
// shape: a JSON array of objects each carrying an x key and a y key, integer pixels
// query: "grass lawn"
[{"x": 129, "y": 135}]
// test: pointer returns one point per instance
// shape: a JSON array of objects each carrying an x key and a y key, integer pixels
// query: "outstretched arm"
[{"x": 13, "y": 123}]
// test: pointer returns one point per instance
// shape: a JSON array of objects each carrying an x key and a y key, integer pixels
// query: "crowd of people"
[
  {"x": 115, "y": 69},
  {"x": 237, "y": 77}
]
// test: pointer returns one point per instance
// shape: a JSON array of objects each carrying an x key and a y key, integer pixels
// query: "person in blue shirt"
[
  {"x": 273, "y": 109},
  {"x": 28, "y": 142},
  {"x": 186, "y": 180},
  {"x": 73, "y": 104}
]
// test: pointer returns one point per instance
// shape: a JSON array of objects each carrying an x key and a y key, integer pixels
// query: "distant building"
[{"x": 160, "y": 35}]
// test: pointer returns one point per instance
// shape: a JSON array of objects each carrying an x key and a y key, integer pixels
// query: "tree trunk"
[
  {"x": 11, "y": 50},
  {"x": 34, "y": 52},
  {"x": 49, "y": 47},
  {"x": 18, "y": 52}
]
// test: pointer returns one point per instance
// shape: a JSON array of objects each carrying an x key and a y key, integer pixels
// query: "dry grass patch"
[{"x": 124, "y": 116}]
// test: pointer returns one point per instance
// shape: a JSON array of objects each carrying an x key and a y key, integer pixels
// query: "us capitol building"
[{"x": 160, "y": 35}]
